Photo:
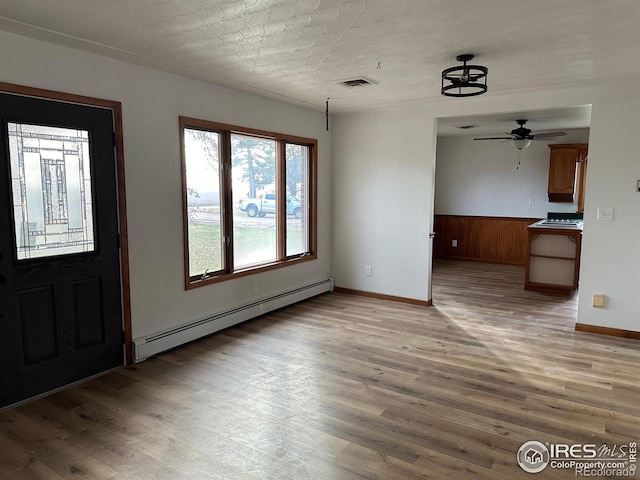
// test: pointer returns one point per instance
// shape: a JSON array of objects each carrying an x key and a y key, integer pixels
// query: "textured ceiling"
[{"x": 298, "y": 49}]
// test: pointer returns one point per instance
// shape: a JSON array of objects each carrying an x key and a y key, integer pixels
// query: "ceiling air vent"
[{"x": 357, "y": 82}]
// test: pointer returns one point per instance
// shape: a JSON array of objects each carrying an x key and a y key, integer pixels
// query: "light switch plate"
[{"x": 605, "y": 213}]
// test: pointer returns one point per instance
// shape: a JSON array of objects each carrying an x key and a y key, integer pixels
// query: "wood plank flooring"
[{"x": 347, "y": 388}]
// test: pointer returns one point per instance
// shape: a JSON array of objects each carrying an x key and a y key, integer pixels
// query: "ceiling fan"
[{"x": 521, "y": 137}]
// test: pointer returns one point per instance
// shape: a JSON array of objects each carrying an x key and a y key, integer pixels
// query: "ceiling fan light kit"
[
  {"x": 520, "y": 143},
  {"x": 521, "y": 137},
  {"x": 464, "y": 80}
]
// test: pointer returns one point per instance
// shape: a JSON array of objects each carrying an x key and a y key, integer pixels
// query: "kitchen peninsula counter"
[{"x": 553, "y": 256}]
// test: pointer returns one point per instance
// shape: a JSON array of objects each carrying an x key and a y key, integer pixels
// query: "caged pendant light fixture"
[{"x": 464, "y": 80}]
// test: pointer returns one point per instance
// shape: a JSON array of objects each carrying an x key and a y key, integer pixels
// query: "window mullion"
[
  {"x": 228, "y": 202},
  {"x": 281, "y": 195},
  {"x": 312, "y": 198}
]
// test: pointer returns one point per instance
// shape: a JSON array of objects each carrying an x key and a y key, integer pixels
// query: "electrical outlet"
[
  {"x": 532, "y": 201},
  {"x": 368, "y": 271},
  {"x": 598, "y": 300},
  {"x": 454, "y": 243},
  {"x": 254, "y": 288}
]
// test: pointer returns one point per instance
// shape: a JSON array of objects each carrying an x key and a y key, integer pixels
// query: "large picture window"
[{"x": 249, "y": 200}]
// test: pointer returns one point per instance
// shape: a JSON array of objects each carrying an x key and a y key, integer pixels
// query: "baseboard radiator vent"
[{"x": 146, "y": 347}]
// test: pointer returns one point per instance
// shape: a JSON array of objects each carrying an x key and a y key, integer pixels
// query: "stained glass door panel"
[{"x": 51, "y": 189}]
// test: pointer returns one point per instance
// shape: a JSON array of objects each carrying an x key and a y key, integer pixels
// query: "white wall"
[
  {"x": 380, "y": 176},
  {"x": 391, "y": 151},
  {"x": 484, "y": 179},
  {"x": 151, "y": 104},
  {"x": 611, "y": 249}
]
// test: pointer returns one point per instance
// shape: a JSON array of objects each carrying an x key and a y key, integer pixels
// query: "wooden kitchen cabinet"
[{"x": 562, "y": 170}]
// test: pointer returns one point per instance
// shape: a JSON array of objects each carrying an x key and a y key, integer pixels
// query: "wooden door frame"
[{"x": 116, "y": 108}]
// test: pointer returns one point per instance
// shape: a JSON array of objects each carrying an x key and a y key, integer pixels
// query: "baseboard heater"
[{"x": 146, "y": 347}]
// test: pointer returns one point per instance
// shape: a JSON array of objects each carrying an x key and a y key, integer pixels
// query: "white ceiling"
[{"x": 296, "y": 50}]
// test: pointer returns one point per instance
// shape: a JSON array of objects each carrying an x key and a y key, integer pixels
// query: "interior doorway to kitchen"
[{"x": 486, "y": 193}]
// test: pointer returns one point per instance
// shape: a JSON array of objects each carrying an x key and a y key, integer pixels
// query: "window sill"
[{"x": 197, "y": 282}]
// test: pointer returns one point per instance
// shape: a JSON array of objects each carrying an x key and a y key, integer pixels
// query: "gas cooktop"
[{"x": 560, "y": 222}]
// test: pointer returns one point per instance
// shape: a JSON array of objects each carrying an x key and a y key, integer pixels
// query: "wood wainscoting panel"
[{"x": 487, "y": 239}]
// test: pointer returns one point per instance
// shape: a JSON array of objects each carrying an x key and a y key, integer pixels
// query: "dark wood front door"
[{"x": 60, "y": 293}]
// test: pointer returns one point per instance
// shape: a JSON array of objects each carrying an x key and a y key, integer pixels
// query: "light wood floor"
[{"x": 345, "y": 387}]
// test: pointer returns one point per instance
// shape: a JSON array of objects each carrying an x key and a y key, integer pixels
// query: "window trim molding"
[{"x": 225, "y": 131}]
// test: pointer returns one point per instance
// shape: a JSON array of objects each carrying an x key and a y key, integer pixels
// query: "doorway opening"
[{"x": 486, "y": 194}]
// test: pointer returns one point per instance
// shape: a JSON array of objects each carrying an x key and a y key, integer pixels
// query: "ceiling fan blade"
[
  {"x": 494, "y": 138},
  {"x": 543, "y": 135}
]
